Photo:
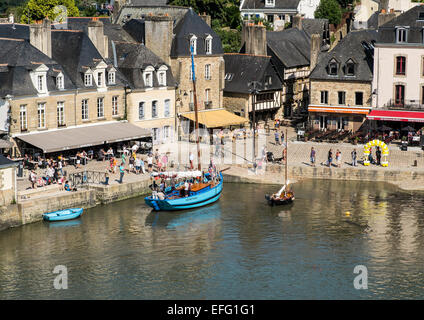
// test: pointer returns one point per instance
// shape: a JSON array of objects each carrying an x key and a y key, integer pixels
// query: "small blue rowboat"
[{"x": 62, "y": 215}]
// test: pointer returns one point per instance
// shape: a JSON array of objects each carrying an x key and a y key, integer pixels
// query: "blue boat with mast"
[{"x": 208, "y": 186}]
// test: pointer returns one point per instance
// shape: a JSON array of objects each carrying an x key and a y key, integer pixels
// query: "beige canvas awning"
[
  {"x": 86, "y": 136},
  {"x": 216, "y": 118}
]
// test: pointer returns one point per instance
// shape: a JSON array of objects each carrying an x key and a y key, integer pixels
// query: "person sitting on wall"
[{"x": 67, "y": 187}]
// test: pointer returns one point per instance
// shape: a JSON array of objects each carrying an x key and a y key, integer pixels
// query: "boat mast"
[
  {"x": 196, "y": 116},
  {"x": 287, "y": 144}
]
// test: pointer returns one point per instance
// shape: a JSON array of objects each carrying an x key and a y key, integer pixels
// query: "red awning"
[{"x": 388, "y": 115}]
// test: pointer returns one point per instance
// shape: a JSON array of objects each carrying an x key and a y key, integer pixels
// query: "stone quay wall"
[{"x": 31, "y": 210}]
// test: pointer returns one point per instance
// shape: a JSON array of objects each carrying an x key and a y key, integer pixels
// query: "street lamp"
[{"x": 254, "y": 86}]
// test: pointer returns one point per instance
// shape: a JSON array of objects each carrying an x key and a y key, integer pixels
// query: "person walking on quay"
[
  {"x": 150, "y": 162},
  {"x": 378, "y": 155},
  {"x": 121, "y": 172},
  {"x": 277, "y": 137},
  {"x": 282, "y": 137},
  {"x": 165, "y": 162},
  {"x": 131, "y": 164},
  {"x": 33, "y": 179},
  {"x": 106, "y": 177},
  {"x": 354, "y": 156},
  {"x": 330, "y": 158},
  {"x": 142, "y": 165},
  {"x": 338, "y": 158},
  {"x": 312, "y": 157}
]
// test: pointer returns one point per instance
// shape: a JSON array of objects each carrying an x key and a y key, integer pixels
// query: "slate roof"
[
  {"x": 291, "y": 46},
  {"x": 409, "y": 18},
  {"x": 75, "y": 52},
  {"x": 192, "y": 24},
  {"x": 7, "y": 163},
  {"x": 356, "y": 45},
  {"x": 14, "y": 31},
  {"x": 245, "y": 68},
  {"x": 18, "y": 58},
  {"x": 279, "y": 4},
  {"x": 148, "y": 3},
  {"x": 315, "y": 26},
  {"x": 133, "y": 58}
]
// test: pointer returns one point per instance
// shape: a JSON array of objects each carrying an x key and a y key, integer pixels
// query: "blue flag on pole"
[{"x": 192, "y": 63}]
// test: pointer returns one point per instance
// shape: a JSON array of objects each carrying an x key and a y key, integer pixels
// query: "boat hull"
[
  {"x": 279, "y": 202},
  {"x": 63, "y": 215},
  {"x": 199, "y": 199}
]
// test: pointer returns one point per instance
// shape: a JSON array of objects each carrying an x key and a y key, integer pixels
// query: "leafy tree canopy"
[
  {"x": 39, "y": 9},
  {"x": 329, "y": 9}
]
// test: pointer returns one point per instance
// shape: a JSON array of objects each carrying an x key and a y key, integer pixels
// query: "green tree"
[
  {"x": 329, "y": 9},
  {"x": 39, "y": 9}
]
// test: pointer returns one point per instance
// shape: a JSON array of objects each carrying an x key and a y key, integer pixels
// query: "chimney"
[
  {"x": 315, "y": 50},
  {"x": 384, "y": 17},
  {"x": 97, "y": 37},
  {"x": 40, "y": 36},
  {"x": 158, "y": 35},
  {"x": 254, "y": 37},
  {"x": 297, "y": 22},
  {"x": 206, "y": 18}
]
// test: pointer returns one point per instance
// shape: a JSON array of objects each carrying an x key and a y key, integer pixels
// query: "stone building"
[
  {"x": 240, "y": 94},
  {"x": 293, "y": 53},
  {"x": 341, "y": 84},
  {"x": 56, "y": 82}
]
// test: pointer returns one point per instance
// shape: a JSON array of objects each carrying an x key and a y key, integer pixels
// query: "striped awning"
[
  {"x": 394, "y": 115},
  {"x": 339, "y": 109},
  {"x": 216, "y": 118}
]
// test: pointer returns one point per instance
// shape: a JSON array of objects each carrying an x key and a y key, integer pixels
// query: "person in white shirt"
[
  {"x": 150, "y": 163},
  {"x": 186, "y": 188},
  {"x": 191, "y": 158}
]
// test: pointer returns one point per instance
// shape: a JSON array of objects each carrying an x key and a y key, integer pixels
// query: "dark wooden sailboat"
[{"x": 285, "y": 195}]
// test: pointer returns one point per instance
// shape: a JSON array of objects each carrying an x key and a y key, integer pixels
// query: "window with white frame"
[
  {"x": 148, "y": 79},
  {"x": 60, "y": 114},
  {"x": 99, "y": 79},
  {"x": 141, "y": 111},
  {"x": 401, "y": 35},
  {"x": 269, "y": 3},
  {"x": 162, "y": 78},
  {"x": 88, "y": 79},
  {"x": 193, "y": 44},
  {"x": 100, "y": 108},
  {"x": 191, "y": 74},
  {"x": 166, "y": 132},
  {"x": 208, "y": 44},
  {"x": 59, "y": 82},
  {"x": 207, "y": 71},
  {"x": 40, "y": 80},
  {"x": 167, "y": 108},
  {"x": 23, "y": 117},
  {"x": 41, "y": 115},
  {"x": 154, "y": 109},
  {"x": 84, "y": 109},
  {"x": 111, "y": 77},
  {"x": 114, "y": 105}
]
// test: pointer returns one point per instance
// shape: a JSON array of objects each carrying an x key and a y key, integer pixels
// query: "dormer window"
[
  {"x": 193, "y": 44},
  {"x": 162, "y": 75},
  {"x": 148, "y": 76},
  {"x": 332, "y": 67},
  {"x": 88, "y": 79},
  {"x": 350, "y": 68},
  {"x": 269, "y": 3},
  {"x": 111, "y": 77},
  {"x": 208, "y": 44},
  {"x": 59, "y": 82},
  {"x": 40, "y": 83},
  {"x": 100, "y": 79},
  {"x": 401, "y": 34}
]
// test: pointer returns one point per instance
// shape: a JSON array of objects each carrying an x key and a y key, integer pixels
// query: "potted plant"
[{"x": 306, "y": 136}]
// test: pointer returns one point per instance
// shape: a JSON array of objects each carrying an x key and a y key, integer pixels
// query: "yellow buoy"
[{"x": 347, "y": 213}]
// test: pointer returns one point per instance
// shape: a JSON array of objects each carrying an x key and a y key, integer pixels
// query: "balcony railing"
[
  {"x": 405, "y": 105},
  {"x": 208, "y": 104}
]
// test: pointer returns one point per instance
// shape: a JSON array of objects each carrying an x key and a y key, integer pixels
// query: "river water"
[{"x": 237, "y": 248}]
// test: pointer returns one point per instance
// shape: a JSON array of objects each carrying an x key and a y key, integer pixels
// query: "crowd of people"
[{"x": 336, "y": 159}]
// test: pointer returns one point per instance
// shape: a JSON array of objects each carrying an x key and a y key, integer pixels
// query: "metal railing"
[
  {"x": 81, "y": 178},
  {"x": 405, "y": 105},
  {"x": 208, "y": 104}
]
